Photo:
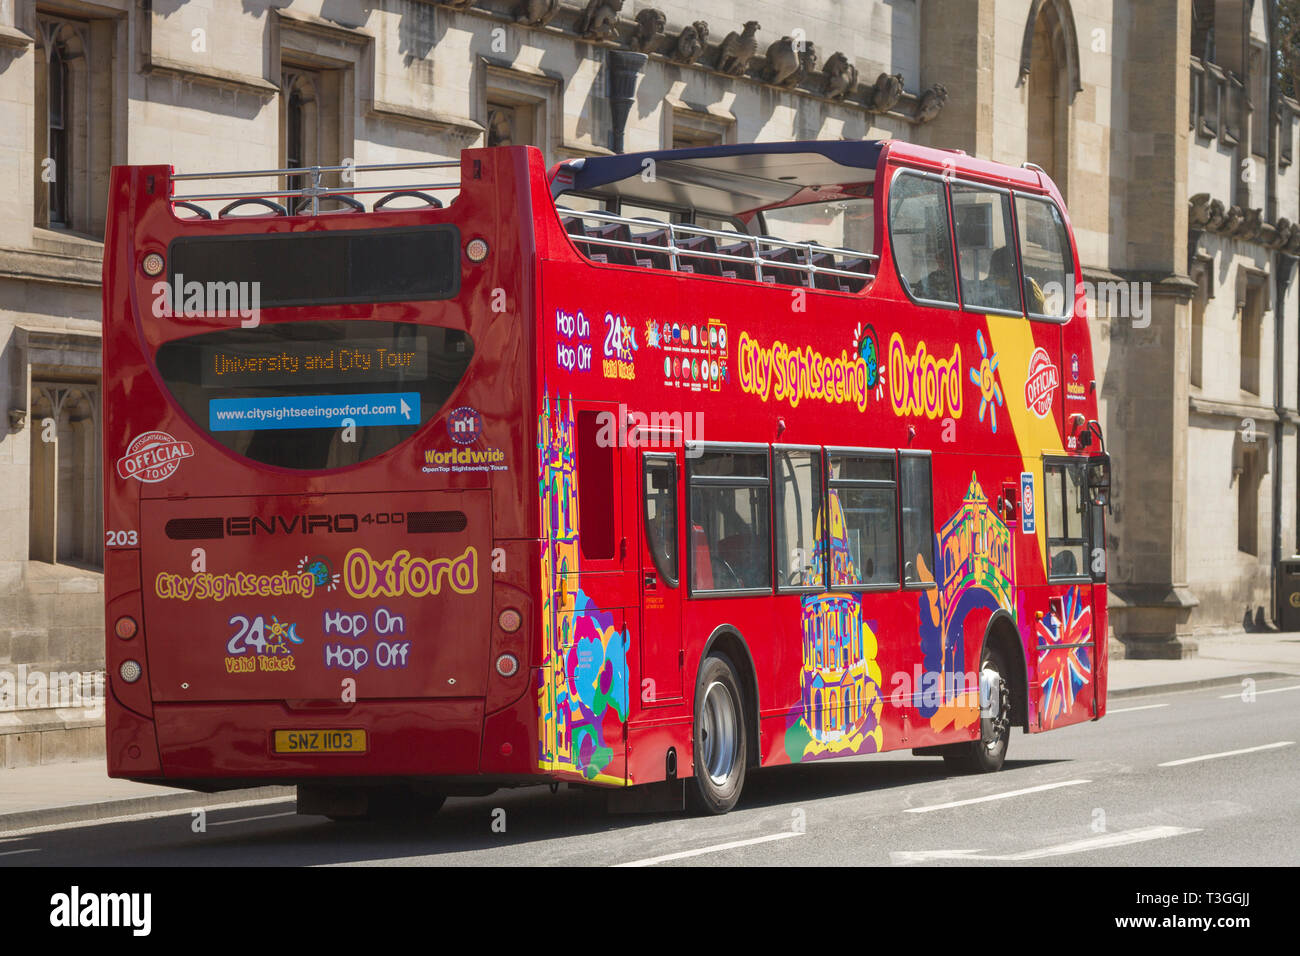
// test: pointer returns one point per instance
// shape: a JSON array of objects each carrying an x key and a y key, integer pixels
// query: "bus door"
[
  {"x": 589, "y": 639},
  {"x": 661, "y": 600},
  {"x": 1065, "y": 635}
]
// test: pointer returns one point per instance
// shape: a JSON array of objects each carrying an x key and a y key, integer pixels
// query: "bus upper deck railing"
[
  {"x": 677, "y": 247},
  {"x": 682, "y": 247},
  {"x": 314, "y": 192}
]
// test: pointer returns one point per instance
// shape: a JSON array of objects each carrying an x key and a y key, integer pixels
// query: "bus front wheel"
[
  {"x": 987, "y": 754},
  {"x": 721, "y": 744}
]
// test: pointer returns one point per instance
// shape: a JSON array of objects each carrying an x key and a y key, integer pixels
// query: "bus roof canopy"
[{"x": 730, "y": 180}]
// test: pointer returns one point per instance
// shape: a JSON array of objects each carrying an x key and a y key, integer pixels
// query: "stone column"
[
  {"x": 1146, "y": 377},
  {"x": 957, "y": 51}
]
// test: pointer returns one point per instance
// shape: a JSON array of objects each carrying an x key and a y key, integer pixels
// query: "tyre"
[
  {"x": 987, "y": 754},
  {"x": 720, "y": 738}
]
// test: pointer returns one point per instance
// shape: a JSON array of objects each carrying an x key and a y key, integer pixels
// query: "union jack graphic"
[{"x": 1064, "y": 668}]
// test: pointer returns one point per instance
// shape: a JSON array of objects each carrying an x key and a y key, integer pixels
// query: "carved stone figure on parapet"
[
  {"x": 782, "y": 63},
  {"x": 884, "y": 95},
  {"x": 600, "y": 20},
  {"x": 840, "y": 76},
  {"x": 536, "y": 13},
  {"x": 691, "y": 43},
  {"x": 649, "y": 31},
  {"x": 932, "y": 103},
  {"x": 738, "y": 49}
]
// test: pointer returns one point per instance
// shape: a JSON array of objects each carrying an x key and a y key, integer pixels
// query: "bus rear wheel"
[
  {"x": 987, "y": 754},
  {"x": 721, "y": 741}
]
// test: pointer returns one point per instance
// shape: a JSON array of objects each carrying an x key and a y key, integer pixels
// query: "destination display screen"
[
  {"x": 281, "y": 363},
  {"x": 343, "y": 265}
]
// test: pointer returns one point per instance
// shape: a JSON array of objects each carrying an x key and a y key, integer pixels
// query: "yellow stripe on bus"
[{"x": 1012, "y": 341}]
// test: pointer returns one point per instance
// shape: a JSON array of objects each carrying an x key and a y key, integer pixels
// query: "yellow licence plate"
[{"x": 320, "y": 741}]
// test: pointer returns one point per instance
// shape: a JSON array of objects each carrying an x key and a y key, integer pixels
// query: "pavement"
[{"x": 61, "y": 794}]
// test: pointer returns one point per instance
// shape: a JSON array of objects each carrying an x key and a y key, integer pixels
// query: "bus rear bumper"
[{"x": 403, "y": 738}]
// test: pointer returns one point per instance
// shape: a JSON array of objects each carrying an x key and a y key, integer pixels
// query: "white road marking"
[
  {"x": 269, "y": 816},
  {"x": 1129, "y": 710},
  {"x": 997, "y": 796},
  {"x": 1271, "y": 690},
  {"x": 1226, "y": 753},
  {"x": 1103, "y": 842},
  {"x": 684, "y": 854},
  {"x": 34, "y": 849},
  {"x": 136, "y": 817}
]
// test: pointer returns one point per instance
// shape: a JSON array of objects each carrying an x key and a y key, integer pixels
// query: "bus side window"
[
  {"x": 985, "y": 253},
  {"x": 1045, "y": 258},
  {"x": 800, "y": 558},
  {"x": 920, "y": 238},
  {"x": 595, "y": 467},
  {"x": 660, "y": 480},
  {"x": 916, "y": 499},
  {"x": 1097, "y": 558},
  {"x": 729, "y": 495},
  {"x": 863, "y": 525}
]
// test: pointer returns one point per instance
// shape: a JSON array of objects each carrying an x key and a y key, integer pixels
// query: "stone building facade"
[{"x": 1157, "y": 118}]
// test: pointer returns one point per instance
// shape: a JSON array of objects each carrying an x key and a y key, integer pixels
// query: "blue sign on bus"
[
  {"x": 313, "y": 411},
  {"x": 1027, "y": 521}
]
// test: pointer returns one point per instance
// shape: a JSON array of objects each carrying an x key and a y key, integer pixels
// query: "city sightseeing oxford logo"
[{"x": 153, "y": 456}]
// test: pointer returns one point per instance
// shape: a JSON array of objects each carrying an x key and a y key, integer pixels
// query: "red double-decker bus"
[{"x": 642, "y": 473}]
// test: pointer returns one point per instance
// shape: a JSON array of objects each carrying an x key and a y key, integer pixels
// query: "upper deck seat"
[
  {"x": 656, "y": 237},
  {"x": 773, "y": 272},
  {"x": 737, "y": 270},
  {"x": 855, "y": 264},
  {"x": 826, "y": 260},
  {"x": 700, "y": 265},
  {"x": 616, "y": 232},
  {"x": 838, "y": 283}
]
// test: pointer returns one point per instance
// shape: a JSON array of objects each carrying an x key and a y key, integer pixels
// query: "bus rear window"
[
  {"x": 315, "y": 395},
  {"x": 381, "y": 265}
]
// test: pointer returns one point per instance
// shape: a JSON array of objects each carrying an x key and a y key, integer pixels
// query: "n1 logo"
[{"x": 1028, "y": 518}]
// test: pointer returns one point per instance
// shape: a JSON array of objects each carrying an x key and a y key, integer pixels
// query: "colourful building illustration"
[
  {"x": 976, "y": 570},
  {"x": 582, "y": 693},
  {"x": 840, "y": 699}
]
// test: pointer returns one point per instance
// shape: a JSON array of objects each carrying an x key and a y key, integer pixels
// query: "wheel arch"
[
  {"x": 727, "y": 639},
  {"x": 1001, "y": 632}
]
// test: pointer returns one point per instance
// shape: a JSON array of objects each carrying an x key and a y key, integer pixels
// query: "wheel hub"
[{"x": 719, "y": 733}]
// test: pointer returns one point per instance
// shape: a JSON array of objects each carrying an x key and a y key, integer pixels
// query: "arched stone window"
[
  {"x": 1049, "y": 68},
  {"x": 63, "y": 124},
  {"x": 302, "y": 127},
  {"x": 66, "y": 516}
]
